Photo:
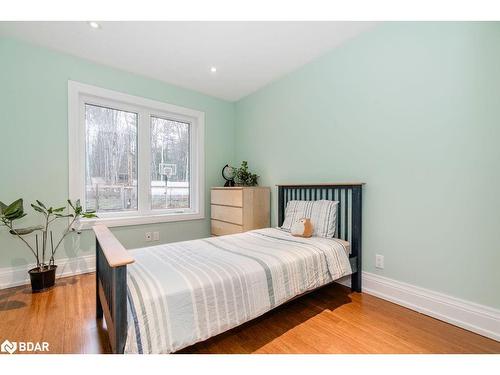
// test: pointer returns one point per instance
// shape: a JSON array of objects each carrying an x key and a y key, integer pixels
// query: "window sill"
[{"x": 139, "y": 220}]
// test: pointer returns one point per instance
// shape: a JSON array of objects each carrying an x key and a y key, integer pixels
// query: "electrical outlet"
[
  {"x": 379, "y": 261},
  {"x": 156, "y": 236},
  {"x": 147, "y": 236}
]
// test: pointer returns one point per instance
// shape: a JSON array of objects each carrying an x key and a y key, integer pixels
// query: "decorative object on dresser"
[
  {"x": 228, "y": 174},
  {"x": 244, "y": 177},
  {"x": 43, "y": 275},
  {"x": 239, "y": 209}
]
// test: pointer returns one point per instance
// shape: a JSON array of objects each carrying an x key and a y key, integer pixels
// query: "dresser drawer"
[
  {"x": 227, "y": 197},
  {"x": 226, "y": 213},
  {"x": 220, "y": 228}
]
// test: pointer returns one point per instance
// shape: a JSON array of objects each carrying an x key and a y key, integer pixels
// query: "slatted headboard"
[{"x": 348, "y": 215}]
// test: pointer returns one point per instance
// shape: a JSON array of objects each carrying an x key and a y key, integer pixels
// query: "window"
[
  {"x": 169, "y": 164},
  {"x": 134, "y": 160},
  {"x": 110, "y": 159}
]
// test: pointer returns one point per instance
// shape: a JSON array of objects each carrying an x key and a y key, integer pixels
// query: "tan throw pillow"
[{"x": 302, "y": 228}]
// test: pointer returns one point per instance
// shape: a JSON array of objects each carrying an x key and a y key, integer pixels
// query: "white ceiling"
[{"x": 247, "y": 55}]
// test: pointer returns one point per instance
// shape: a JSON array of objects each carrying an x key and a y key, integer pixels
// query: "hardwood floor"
[
  {"x": 330, "y": 320},
  {"x": 63, "y": 316}
]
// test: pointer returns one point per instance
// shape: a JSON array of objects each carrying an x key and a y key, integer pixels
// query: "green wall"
[
  {"x": 34, "y": 133},
  {"x": 413, "y": 110}
]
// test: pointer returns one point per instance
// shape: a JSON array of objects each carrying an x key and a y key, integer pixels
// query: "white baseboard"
[
  {"x": 15, "y": 276},
  {"x": 471, "y": 316}
]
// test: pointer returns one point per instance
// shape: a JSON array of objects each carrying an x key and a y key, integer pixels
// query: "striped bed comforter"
[{"x": 182, "y": 293}]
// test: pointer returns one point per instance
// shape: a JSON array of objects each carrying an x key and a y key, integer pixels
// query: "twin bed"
[{"x": 164, "y": 298}]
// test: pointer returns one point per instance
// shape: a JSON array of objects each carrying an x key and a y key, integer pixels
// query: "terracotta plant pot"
[{"x": 44, "y": 279}]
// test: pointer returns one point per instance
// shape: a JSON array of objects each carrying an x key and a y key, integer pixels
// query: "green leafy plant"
[
  {"x": 244, "y": 177},
  {"x": 15, "y": 211}
]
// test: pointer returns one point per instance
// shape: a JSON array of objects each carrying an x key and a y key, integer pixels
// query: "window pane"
[
  {"x": 169, "y": 164},
  {"x": 111, "y": 159}
]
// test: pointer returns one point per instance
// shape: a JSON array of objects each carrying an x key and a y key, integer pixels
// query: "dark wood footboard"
[{"x": 111, "y": 285}]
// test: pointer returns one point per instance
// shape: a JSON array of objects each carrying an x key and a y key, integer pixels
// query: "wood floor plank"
[{"x": 329, "y": 320}]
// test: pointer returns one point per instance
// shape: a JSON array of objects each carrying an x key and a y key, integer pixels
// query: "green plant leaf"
[
  {"x": 60, "y": 209},
  {"x": 60, "y": 215},
  {"x": 15, "y": 216},
  {"x": 37, "y": 208},
  {"x": 13, "y": 211},
  {"x": 40, "y": 204},
  {"x": 3, "y": 206},
  {"x": 25, "y": 231},
  {"x": 16, "y": 206},
  {"x": 89, "y": 215}
]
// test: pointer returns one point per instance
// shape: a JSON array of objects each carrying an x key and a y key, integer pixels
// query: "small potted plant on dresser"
[
  {"x": 43, "y": 275},
  {"x": 244, "y": 177}
]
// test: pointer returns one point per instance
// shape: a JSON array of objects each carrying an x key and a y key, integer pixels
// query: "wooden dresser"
[{"x": 239, "y": 209}]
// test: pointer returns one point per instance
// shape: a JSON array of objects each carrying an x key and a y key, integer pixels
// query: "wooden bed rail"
[
  {"x": 111, "y": 285},
  {"x": 113, "y": 250}
]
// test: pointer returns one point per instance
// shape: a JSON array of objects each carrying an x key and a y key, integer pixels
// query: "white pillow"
[{"x": 323, "y": 215}]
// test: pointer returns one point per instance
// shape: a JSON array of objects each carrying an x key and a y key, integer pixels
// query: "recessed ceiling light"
[
  {"x": 213, "y": 69},
  {"x": 94, "y": 25}
]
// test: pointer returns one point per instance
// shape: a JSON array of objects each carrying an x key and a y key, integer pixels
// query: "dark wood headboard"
[{"x": 348, "y": 215}]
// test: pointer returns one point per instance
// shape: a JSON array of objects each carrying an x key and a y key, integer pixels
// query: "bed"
[{"x": 161, "y": 299}]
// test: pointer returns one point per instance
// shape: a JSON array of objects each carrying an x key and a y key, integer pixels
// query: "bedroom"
[{"x": 359, "y": 159}]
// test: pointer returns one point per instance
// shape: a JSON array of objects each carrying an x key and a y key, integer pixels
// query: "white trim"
[
  {"x": 471, "y": 316},
  {"x": 79, "y": 93},
  {"x": 15, "y": 276},
  {"x": 139, "y": 220}
]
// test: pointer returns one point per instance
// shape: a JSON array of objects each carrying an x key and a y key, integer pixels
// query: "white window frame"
[{"x": 80, "y": 94}]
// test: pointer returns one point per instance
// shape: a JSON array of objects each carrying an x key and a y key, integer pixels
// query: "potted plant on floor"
[{"x": 43, "y": 275}]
